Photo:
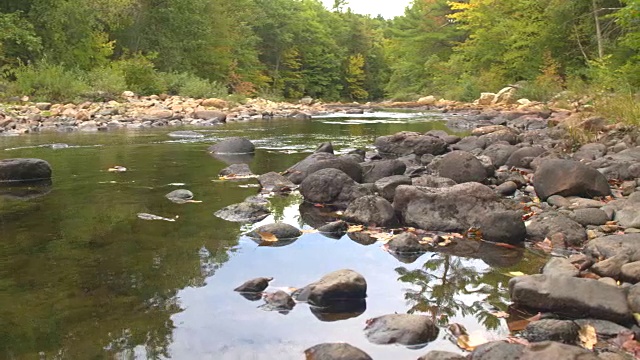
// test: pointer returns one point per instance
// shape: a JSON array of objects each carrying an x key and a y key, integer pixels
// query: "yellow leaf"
[
  {"x": 194, "y": 201},
  {"x": 236, "y": 177},
  {"x": 446, "y": 242},
  {"x": 268, "y": 237},
  {"x": 637, "y": 317},
  {"x": 427, "y": 240},
  {"x": 117, "y": 168},
  {"x": 588, "y": 336},
  {"x": 355, "y": 228},
  {"x": 470, "y": 342},
  {"x": 515, "y": 273},
  {"x": 500, "y": 314}
]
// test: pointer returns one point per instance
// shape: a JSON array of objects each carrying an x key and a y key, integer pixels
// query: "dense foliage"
[{"x": 63, "y": 49}]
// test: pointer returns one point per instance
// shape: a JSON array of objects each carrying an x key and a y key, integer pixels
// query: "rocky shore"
[{"x": 521, "y": 179}]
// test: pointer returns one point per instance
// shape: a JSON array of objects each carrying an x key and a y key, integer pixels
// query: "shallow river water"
[{"x": 82, "y": 277}]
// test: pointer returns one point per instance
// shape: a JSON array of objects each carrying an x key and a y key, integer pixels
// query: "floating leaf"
[
  {"x": 470, "y": 342},
  {"x": 355, "y": 228},
  {"x": 515, "y": 273},
  {"x": 117, "y": 168},
  {"x": 520, "y": 324},
  {"x": 237, "y": 177},
  {"x": 267, "y": 236},
  {"x": 588, "y": 336},
  {"x": 500, "y": 314},
  {"x": 145, "y": 216}
]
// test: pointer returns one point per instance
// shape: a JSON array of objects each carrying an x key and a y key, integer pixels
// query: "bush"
[
  {"x": 141, "y": 76},
  {"x": 107, "y": 83},
  {"x": 189, "y": 85},
  {"x": 620, "y": 107},
  {"x": 47, "y": 82}
]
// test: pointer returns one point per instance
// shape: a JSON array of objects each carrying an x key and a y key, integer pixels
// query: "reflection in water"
[{"x": 25, "y": 192}]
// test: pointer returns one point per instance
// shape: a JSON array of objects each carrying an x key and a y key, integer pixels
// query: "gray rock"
[
  {"x": 24, "y": 170},
  {"x": 326, "y": 147},
  {"x": 180, "y": 195},
  {"x": 336, "y": 227},
  {"x": 589, "y": 152},
  {"x": 432, "y": 181},
  {"x": 338, "y": 286},
  {"x": 401, "y": 329},
  {"x": 560, "y": 267},
  {"x": 244, "y": 212},
  {"x": 210, "y": 115},
  {"x": 517, "y": 157},
  {"x": 274, "y": 182},
  {"x": 559, "y": 201},
  {"x": 566, "y": 178},
  {"x": 254, "y": 285},
  {"x": 331, "y": 186},
  {"x": 233, "y": 145},
  {"x": 507, "y": 188},
  {"x": 318, "y": 161},
  {"x": 633, "y": 297},
  {"x": 611, "y": 267},
  {"x": 386, "y": 186},
  {"x": 550, "y": 223},
  {"x": 441, "y": 355},
  {"x": 590, "y": 216},
  {"x": 376, "y": 170},
  {"x": 236, "y": 169},
  {"x": 462, "y": 167},
  {"x": 404, "y": 143},
  {"x": 406, "y": 243},
  {"x": 469, "y": 143},
  {"x": 629, "y": 215},
  {"x": 630, "y": 272},
  {"x": 569, "y": 296},
  {"x": 281, "y": 231},
  {"x": 503, "y": 227},
  {"x": 609, "y": 246},
  {"x": 499, "y": 153},
  {"x": 554, "y": 350},
  {"x": 335, "y": 351},
  {"x": 604, "y": 329},
  {"x": 278, "y": 301},
  {"x": 505, "y": 135},
  {"x": 371, "y": 210},
  {"x": 623, "y": 165},
  {"x": 497, "y": 350},
  {"x": 565, "y": 331}
]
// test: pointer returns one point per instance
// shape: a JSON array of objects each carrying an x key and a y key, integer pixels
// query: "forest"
[{"x": 63, "y": 50}]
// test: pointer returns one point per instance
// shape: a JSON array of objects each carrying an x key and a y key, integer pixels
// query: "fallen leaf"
[
  {"x": 237, "y": 177},
  {"x": 474, "y": 234},
  {"x": 470, "y": 342},
  {"x": 500, "y": 314},
  {"x": 588, "y": 336},
  {"x": 515, "y": 273},
  {"x": 145, "y": 216},
  {"x": 545, "y": 245},
  {"x": 193, "y": 201},
  {"x": 444, "y": 243},
  {"x": 505, "y": 245},
  {"x": 268, "y": 237},
  {"x": 427, "y": 240},
  {"x": 520, "y": 324},
  {"x": 355, "y": 228},
  {"x": 117, "y": 168}
]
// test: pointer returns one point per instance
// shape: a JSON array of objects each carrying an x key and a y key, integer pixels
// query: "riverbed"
[{"x": 82, "y": 277}]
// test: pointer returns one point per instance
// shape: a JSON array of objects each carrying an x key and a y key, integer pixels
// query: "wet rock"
[
  {"x": 233, "y": 145},
  {"x": 234, "y": 158},
  {"x": 278, "y": 301},
  {"x": 186, "y": 135},
  {"x": 406, "y": 243},
  {"x": 331, "y": 186},
  {"x": 338, "y": 286},
  {"x": 180, "y": 195},
  {"x": 499, "y": 153},
  {"x": 566, "y": 178},
  {"x": 517, "y": 158},
  {"x": 432, "y": 181},
  {"x": 565, "y": 331},
  {"x": 462, "y": 167},
  {"x": 325, "y": 147},
  {"x": 590, "y": 216},
  {"x": 236, "y": 169},
  {"x": 560, "y": 267},
  {"x": 503, "y": 227},
  {"x": 569, "y": 296},
  {"x": 609, "y": 246},
  {"x": 549, "y": 223},
  {"x": 24, "y": 170},
  {"x": 336, "y": 228},
  {"x": 497, "y": 350},
  {"x": 254, "y": 285},
  {"x": 401, "y": 329},
  {"x": 371, "y": 210},
  {"x": 281, "y": 231},
  {"x": 604, "y": 329},
  {"x": 376, "y": 170},
  {"x": 335, "y": 351},
  {"x": 274, "y": 182},
  {"x": 555, "y": 350},
  {"x": 446, "y": 209},
  {"x": 386, "y": 186},
  {"x": 318, "y": 161},
  {"x": 630, "y": 272},
  {"x": 441, "y": 355},
  {"x": 362, "y": 238},
  {"x": 507, "y": 188},
  {"x": 244, "y": 212},
  {"x": 404, "y": 143}
]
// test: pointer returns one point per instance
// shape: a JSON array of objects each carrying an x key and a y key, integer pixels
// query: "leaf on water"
[
  {"x": 117, "y": 168},
  {"x": 515, "y": 273},
  {"x": 470, "y": 342},
  {"x": 588, "y": 336},
  {"x": 500, "y": 314},
  {"x": 355, "y": 228},
  {"x": 267, "y": 237},
  {"x": 236, "y": 177},
  {"x": 145, "y": 216},
  {"x": 193, "y": 201}
]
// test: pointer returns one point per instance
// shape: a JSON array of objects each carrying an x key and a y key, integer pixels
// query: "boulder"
[
  {"x": 331, "y": 186},
  {"x": 236, "y": 169},
  {"x": 570, "y": 296},
  {"x": 517, "y": 158},
  {"x": 214, "y": 102},
  {"x": 24, "y": 170},
  {"x": 555, "y": 350},
  {"x": 180, "y": 195},
  {"x": 406, "y": 243},
  {"x": 549, "y": 223},
  {"x": 371, "y": 210},
  {"x": 326, "y": 147},
  {"x": 274, "y": 182},
  {"x": 567, "y": 177},
  {"x": 609, "y": 246},
  {"x": 506, "y": 135},
  {"x": 623, "y": 165},
  {"x": 339, "y": 228},
  {"x": 590, "y": 216},
  {"x": 386, "y": 186},
  {"x": 565, "y": 331},
  {"x": 376, "y": 170},
  {"x": 338, "y": 286},
  {"x": 503, "y": 226},
  {"x": 433, "y": 181},
  {"x": 499, "y": 153},
  {"x": 281, "y": 231},
  {"x": 557, "y": 266},
  {"x": 322, "y": 160},
  {"x": 628, "y": 215},
  {"x": 405, "y": 143},
  {"x": 427, "y": 100},
  {"x": 486, "y": 98},
  {"x": 233, "y": 145},
  {"x": 278, "y": 301},
  {"x": 630, "y": 272},
  {"x": 589, "y": 152},
  {"x": 507, "y": 188},
  {"x": 245, "y": 212},
  {"x": 401, "y": 329},
  {"x": 633, "y": 297},
  {"x": 462, "y": 167},
  {"x": 497, "y": 350},
  {"x": 604, "y": 329},
  {"x": 210, "y": 115},
  {"x": 254, "y": 285},
  {"x": 335, "y": 351}
]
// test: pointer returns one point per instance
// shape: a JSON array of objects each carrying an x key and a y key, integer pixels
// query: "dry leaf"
[
  {"x": 545, "y": 245},
  {"x": 237, "y": 177},
  {"x": 520, "y": 324},
  {"x": 474, "y": 234},
  {"x": 515, "y": 273},
  {"x": 355, "y": 228},
  {"x": 505, "y": 245},
  {"x": 117, "y": 168},
  {"x": 444, "y": 243},
  {"x": 427, "y": 240},
  {"x": 500, "y": 314},
  {"x": 268, "y": 237},
  {"x": 470, "y": 342},
  {"x": 588, "y": 336}
]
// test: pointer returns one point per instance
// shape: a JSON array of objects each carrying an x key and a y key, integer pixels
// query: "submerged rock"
[
  {"x": 335, "y": 351},
  {"x": 236, "y": 169},
  {"x": 254, "y": 285},
  {"x": 274, "y": 182},
  {"x": 278, "y": 301},
  {"x": 401, "y": 329},
  {"x": 180, "y": 195},
  {"x": 233, "y": 145},
  {"x": 406, "y": 243},
  {"x": 245, "y": 212},
  {"x": 24, "y": 170},
  {"x": 371, "y": 210}
]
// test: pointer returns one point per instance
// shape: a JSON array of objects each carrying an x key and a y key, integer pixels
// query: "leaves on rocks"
[
  {"x": 588, "y": 336},
  {"x": 463, "y": 339},
  {"x": 267, "y": 237}
]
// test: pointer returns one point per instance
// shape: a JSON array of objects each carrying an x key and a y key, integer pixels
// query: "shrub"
[
  {"x": 107, "y": 83},
  {"x": 45, "y": 81},
  {"x": 189, "y": 85},
  {"x": 141, "y": 76}
]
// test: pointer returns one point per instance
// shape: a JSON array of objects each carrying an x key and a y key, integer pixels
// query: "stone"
[
  {"x": 517, "y": 157},
  {"x": 486, "y": 98},
  {"x": 432, "y": 181},
  {"x": 559, "y": 201},
  {"x": 503, "y": 226},
  {"x": 386, "y": 186},
  {"x": 254, "y": 285},
  {"x": 274, "y": 182},
  {"x": 371, "y": 210},
  {"x": 338, "y": 286},
  {"x": 331, "y": 186},
  {"x": 624, "y": 165},
  {"x": 157, "y": 114},
  {"x": 589, "y": 152},
  {"x": 604, "y": 329},
  {"x": 497, "y": 350},
  {"x": 336, "y": 227},
  {"x": 335, "y": 351},
  {"x": 427, "y": 100},
  {"x": 236, "y": 169},
  {"x": 507, "y": 188},
  {"x": 462, "y": 167},
  {"x": 633, "y": 297},
  {"x": 469, "y": 144},
  {"x": 565, "y": 331},
  {"x": 401, "y": 329},
  {"x": 441, "y": 355},
  {"x": 406, "y": 243},
  {"x": 216, "y": 103},
  {"x": 557, "y": 266},
  {"x": 628, "y": 215},
  {"x": 630, "y": 272},
  {"x": 278, "y": 301},
  {"x": 506, "y": 95},
  {"x": 572, "y": 297},
  {"x": 499, "y": 153},
  {"x": 43, "y": 106},
  {"x": 245, "y": 212},
  {"x": 24, "y": 170},
  {"x": 281, "y": 231},
  {"x": 549, "y": 223},
  {"x": 180, "y": 195},
  {"x": 612, "y": 245},
  {"x": 210, "y": 115},
  {"x": 322, "y": 160},
  {"x": 405, "y": 143},
  {"x": 326, "y": 147},
  {"x": 233, "y": 145},
  {"x": 590, "y": 216},
  {"x": 376, "y": 170},
  {"x": 555, "y": 350},
  {"x": 506, "y": 135},
  {"x": 567, "y": 177}
]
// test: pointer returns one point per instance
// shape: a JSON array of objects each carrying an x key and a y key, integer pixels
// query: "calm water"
[{"x": 81, "y": 277}]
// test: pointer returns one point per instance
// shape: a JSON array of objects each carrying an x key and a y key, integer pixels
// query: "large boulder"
[
  {"x": 244, "y": 212},
  {"x": 606, "y": 247},
  {"x": 503, "y": 227},
  {"x": 323, "y": 160},
  {"x": 570, "y": 296},
  {"x": 462, "y": 167},
  {"x": 457, "y": 209},
  {"x": 331, "y": 186},
  {"x": 386, "y": 187},
  {"x": 338, "y": 286},
  {"x": 549, "y": 223},
  {"x": 565, "y": 331},
  {"x": 233, "y": 145},
  {"x": 623, "y": 165},
  {"x": 401, "y": 329},
  {"x": 555, "y": 350},
  {"x": 567, "y": 177},
  {"x": 371, "y": 210},
  {"x": 499, "y": 153},
  {"x": 24, "y": 170},
  {"x": 376, "y": 170},
  {"x": 335, "y": 351},
  {"x": 406, "y": 142}
]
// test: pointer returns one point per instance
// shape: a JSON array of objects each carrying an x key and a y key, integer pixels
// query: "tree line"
[{"x": 293, "y": 48}]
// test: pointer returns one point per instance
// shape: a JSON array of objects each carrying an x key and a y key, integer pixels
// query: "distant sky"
[{"x": 387, "y": 8}]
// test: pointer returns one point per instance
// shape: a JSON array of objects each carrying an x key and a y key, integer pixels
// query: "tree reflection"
[{"x": 448, "y": 286}]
